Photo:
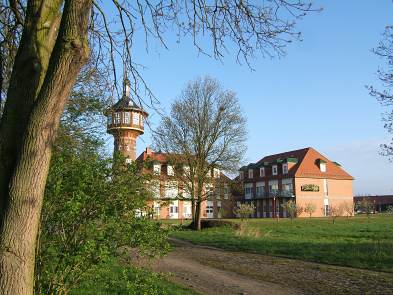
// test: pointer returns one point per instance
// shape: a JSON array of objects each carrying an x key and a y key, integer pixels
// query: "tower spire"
[{"x": 125, "y": 121}]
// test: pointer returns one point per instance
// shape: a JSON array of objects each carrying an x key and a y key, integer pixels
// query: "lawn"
[{"x": 352, "y": 242}]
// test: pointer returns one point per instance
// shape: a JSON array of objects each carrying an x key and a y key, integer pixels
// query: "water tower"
[{"x": 125, "y": 121}]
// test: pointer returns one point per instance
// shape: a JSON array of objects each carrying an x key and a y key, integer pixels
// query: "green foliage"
[
  {"x": 244, "y": 211},
  {"x": 129, "y": 280},
  {"x": 88, "y": 217},
  {"x": 352, "y": 242}
]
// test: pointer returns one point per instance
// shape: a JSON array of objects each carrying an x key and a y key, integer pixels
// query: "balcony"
[{"x": 277, "y": 194}]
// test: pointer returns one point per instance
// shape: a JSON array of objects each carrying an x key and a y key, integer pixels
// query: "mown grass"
[{"x": 352, "y": 242}]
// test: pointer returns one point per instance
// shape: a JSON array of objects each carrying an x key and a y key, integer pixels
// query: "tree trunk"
[{"x": 34, "y": 122}]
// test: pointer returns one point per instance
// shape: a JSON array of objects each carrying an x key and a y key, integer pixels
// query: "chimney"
[{"x": 148, "y": 150}]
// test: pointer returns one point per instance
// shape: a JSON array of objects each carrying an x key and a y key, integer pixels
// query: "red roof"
[{"x": 308, "y": 164}]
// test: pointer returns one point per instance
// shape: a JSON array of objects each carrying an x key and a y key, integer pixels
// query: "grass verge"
[{"x": 352, "y": 242}]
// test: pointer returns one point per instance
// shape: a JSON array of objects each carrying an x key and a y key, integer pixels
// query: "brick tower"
[{"x": 125, "y": 122}]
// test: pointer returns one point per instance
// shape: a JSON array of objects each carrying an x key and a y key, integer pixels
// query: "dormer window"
[
  {"x": 109, "y": 119},
  {"x": 126, "y": 117},
  {"x": 157, "y": 169},
  {"x": 216, "y": 172},
  {"x": 275, "y": 171},
  {"x": 285, "y": 168},
  {"x": 241, "y": 175},
  {"x": 186, "y": 170},
  {"x": 322, "y": 165},
  {"x": 250, "y": 173},
  {"x": 262, "y": 172},
  {"x": 170, "y": 170}
]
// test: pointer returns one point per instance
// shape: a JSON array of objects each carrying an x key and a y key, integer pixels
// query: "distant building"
[
  {"x": 304, "y": 176},
  {"x": 381, "y": 203},
  {"x": 166, "y": 187}
]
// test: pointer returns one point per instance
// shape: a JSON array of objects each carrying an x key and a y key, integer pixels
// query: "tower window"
[
  {"x": 117, "y": 118},
  {"x": 135, "y": 118},
  {"x": 126, "y": 118},
  {"x": 109, "y": 118},
  {"x": 142, "y": 121}
]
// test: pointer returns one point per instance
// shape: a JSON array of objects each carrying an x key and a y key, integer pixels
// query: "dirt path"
[{"x": 211, "y": 271}]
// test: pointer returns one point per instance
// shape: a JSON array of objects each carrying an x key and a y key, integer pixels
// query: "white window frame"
[
  {"x": 157, "y": 169},
  {"x": 284, "y": 168},
  {"x": 241, "y": 175},
  {"x": 209, "y": 190},
  {"x": 322, "y": 166},
  {"x": 262, "y": 172},
  {"x": 170, "y": 170},
  {"x": 142, "y": 121},
  {"x": 171, "y": 189},
  {"x": 126, "y": 117},
  {"x": 117, "y": 118},
  {"x": 135, "y": 118},
  {"x": 275, "y": 170},
  {"x": 216, "y": 172},
  {"x": 226, "y": 191},
  {"x": 250, "y": 173}
]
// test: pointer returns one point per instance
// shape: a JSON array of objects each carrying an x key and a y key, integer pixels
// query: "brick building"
[
  {"x": 166, "y": 187},
  {"x": 304, "y": 176}
]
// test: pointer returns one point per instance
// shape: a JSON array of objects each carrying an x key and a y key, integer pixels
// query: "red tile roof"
[{"x": 307, "y": 165}]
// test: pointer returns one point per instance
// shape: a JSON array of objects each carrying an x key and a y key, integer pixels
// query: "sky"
[{"x": 315, "y": 96}]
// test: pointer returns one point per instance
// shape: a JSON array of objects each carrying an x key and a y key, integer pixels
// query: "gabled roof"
[{"x": 306, "y": 164}]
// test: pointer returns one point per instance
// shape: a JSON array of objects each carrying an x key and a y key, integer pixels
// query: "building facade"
[
  {"x": 304, "y": 176},
  {"x": 167, "y": 188}
]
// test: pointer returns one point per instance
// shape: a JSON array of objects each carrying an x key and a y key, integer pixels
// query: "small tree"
[
  {"x": 244, "y": 211},
  {"x": 367, "y": 205},
  {"x": 349, "y": 207},
  {"x": 310, "y": 208},
  {"x": 336, "y": 211},
  {"x": 292, "y": 209}
]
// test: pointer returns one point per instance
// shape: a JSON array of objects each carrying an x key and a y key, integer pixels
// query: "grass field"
[{"x": 352, "y": 242}]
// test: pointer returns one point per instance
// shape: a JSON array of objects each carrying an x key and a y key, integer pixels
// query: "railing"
[{"x": 277, "y": 194}]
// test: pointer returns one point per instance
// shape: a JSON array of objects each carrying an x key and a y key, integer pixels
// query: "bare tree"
[
  {"x": 310, "y": 208},
  {"x": 385, "y": 97},
  {"x": 336, "y": 211},
  {"x": 44, "y": 45},
  {"x": 205, "y": 130},
  {"x": 367, "y": 205},
  {"x": 349, "y": 207}
]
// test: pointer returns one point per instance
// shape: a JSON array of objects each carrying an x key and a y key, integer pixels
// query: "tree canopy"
[{"x": 206, "y": 130}]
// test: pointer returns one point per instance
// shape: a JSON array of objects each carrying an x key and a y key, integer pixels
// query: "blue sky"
[{"x": 313, "y": 97}]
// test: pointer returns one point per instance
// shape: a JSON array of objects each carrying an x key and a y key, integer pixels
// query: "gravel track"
[{"x": 211, "y": 271}]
